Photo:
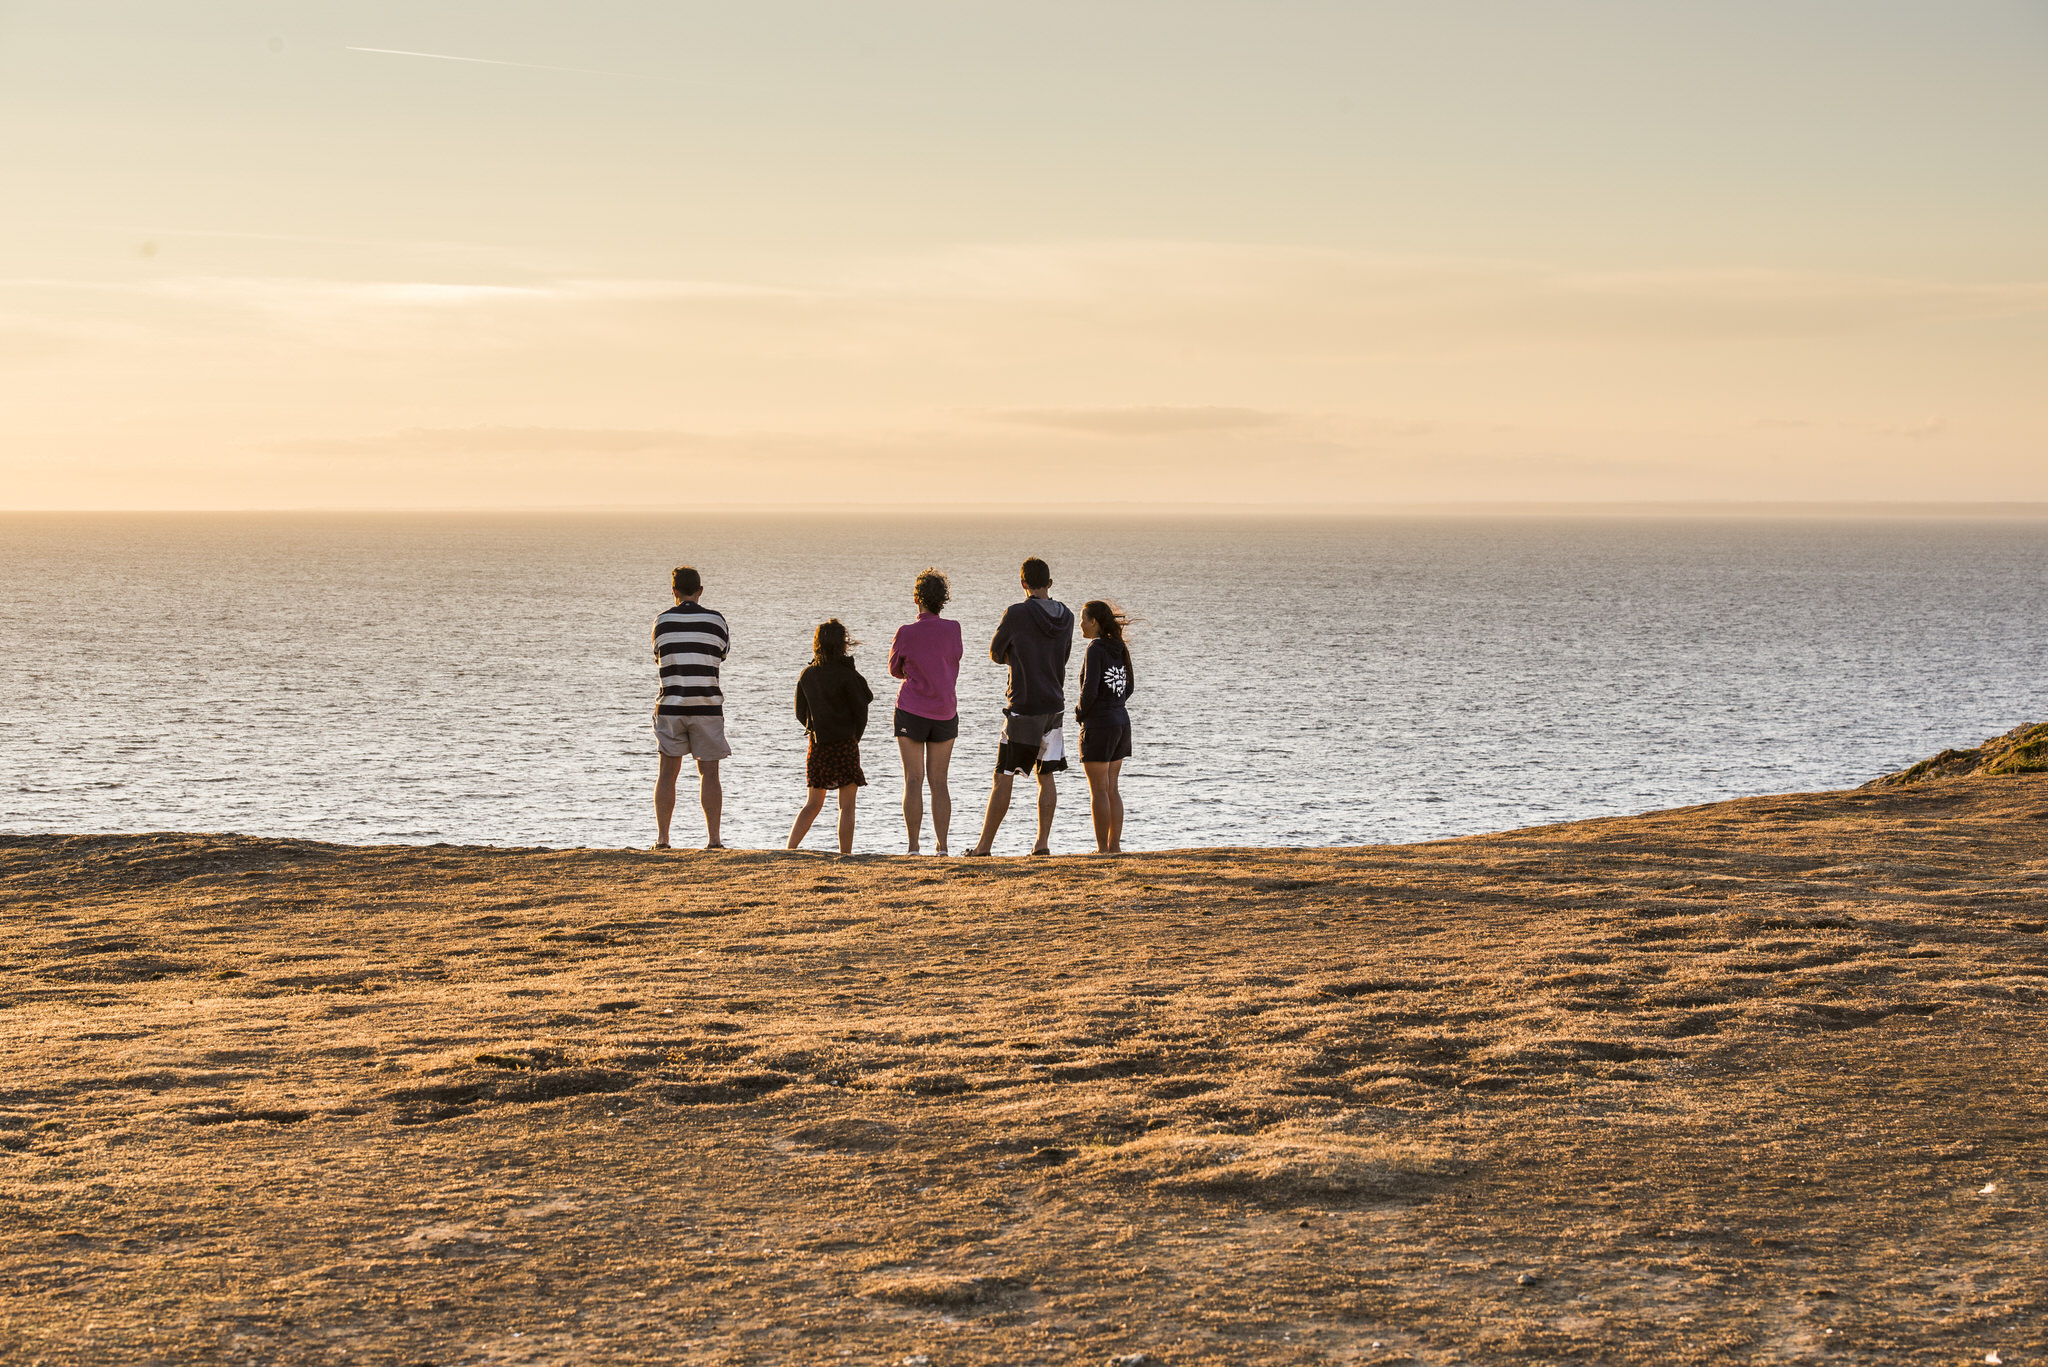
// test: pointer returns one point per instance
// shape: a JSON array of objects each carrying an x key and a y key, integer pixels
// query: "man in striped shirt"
[{"x": 690, "y": 642}]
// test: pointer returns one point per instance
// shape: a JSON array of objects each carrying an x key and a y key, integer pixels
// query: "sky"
[{"x": 660, "y": 253}]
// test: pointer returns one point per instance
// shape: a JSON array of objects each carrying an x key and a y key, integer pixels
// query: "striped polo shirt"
[{"x": 689, "y": 643}]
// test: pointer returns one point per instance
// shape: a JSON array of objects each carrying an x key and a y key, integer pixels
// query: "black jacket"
[
  {"x": 1106, "y": 680},
  {"x": 832, "y": 701},
  {"x": 1035, "y": 640}
]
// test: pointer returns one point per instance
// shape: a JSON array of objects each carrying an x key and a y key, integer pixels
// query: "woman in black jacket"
[
  {"x": 1106, "y": 680},
  {"x": 832, "y": 703}
]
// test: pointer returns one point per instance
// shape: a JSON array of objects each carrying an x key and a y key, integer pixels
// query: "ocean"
[{"x": 486, "y": 679}]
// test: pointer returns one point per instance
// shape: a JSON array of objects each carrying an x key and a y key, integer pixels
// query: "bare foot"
[
  {"x": 1042, "y": 850},
  {"x": 974, "y": 854},
  {"x": 661, "y": 844},
  {"x": 714, "y": 847}
]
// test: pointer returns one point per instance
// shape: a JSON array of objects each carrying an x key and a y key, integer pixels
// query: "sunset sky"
[{"x": 648, "y": 252}]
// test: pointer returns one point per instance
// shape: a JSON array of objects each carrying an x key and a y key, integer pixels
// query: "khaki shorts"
[{"x": 703, "y": 737}]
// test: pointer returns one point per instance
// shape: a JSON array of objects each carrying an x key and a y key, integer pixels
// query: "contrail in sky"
[{"x": 486, "y": 61}]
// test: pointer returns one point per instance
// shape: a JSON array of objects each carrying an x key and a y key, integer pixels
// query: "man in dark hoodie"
[{"x": 1034, "y": 640}]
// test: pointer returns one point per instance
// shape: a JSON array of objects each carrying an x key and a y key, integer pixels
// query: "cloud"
[
  {"x": 1155, "y": 421},
  {"x": 1224, "y": 296},
  {"x": 489, "y": 440},
  {"x": 1359, "y": 376},
  {"x": 26, "y": 346},
  {"x": 492, "y": 61},
  {"x": 1919, "y": 431}
]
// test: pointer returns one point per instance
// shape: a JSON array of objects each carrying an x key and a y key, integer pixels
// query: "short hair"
[
  {"x": 931, "y": 591},
  {"x": 1035, "y": 573},
  {"x": 686, "y": 581}
]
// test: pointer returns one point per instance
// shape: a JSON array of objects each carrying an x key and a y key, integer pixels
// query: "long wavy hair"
[
  {"x": 830, "y": 642},
  {"x": 1112, "y": 621}
]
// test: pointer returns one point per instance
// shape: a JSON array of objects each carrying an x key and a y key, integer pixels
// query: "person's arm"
[
  {"x": 859, "y": 696},
  {"x": 1091, "y": 681},
  {"x": 999, "y": 644},
  {"x": 898, "y": 666},
  {"x": 803, "y": 703},
  {"x": 1130, "y": 674}
]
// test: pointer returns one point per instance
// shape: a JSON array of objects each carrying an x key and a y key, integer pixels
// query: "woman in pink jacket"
[{"x": 926, "y": 656}]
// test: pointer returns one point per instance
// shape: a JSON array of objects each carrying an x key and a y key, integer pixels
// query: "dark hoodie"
[
  {"x": 1106, "y": 680},
  {"x": 1035, "y": 639},
  {"x": 832, "y": 701}
]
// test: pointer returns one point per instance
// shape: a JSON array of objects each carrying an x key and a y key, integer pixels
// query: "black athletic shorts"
[
  {"x": 924, "y": 730},
  {"x": 1012, "y": 758},
  {"x": 1103, "y": 741}
]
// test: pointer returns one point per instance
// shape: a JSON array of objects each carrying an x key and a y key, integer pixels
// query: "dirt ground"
[{"x": 1760, "y": 1081}]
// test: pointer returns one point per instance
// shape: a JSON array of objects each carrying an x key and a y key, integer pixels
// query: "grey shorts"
[{"x": 703, "y": 737}]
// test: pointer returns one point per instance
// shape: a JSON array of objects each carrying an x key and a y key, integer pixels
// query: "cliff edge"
[{"x": 2022, "y": 750}]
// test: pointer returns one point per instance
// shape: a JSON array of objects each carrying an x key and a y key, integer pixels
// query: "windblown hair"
[
  {"x": 830, "y": 642},
  {"x": 1035, "y": 573},
  {"x": 686, "y": 581},
  {"x": 932, "y": 591},
  {"x": 1112, "y": 620}
]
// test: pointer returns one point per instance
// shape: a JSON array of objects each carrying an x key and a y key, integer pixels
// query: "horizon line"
[{"x": 1906, "y": 508}]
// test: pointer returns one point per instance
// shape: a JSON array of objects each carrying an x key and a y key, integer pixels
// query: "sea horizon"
[
  {"x": 484, "y": 678},
  {"x": 1671, "y": 508}
]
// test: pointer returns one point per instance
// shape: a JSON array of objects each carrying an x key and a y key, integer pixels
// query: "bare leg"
[
  {"x": 665, "y": 797},
  {"x": 846, "y": 797},
  {"x": 913, "y": 789},
  {"x": 938, "y": 758},
  {"x": 998, "y": 807},
  {"x": 814, "y": 802},
  {"x": 712, "y": 793},
  {"x": 1116, "y": 808},
  {"x": 1100, "y": 803},
  {"x": 1048, "y": 799}
]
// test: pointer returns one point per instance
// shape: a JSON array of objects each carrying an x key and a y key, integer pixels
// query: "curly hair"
[{"x": 932, "y": 592}]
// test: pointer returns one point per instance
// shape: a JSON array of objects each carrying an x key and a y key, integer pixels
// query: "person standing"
[
  {"x": 926, "y": 656},
  {"x": 1106, "y": 682},
  {"x": 832, "y": 703},
  {"x": 1035, "y": 639},
  {"x": 690, "y": 643}
]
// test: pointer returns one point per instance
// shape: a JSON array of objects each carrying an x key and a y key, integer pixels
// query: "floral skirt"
[{"x": 831, "y": 764}]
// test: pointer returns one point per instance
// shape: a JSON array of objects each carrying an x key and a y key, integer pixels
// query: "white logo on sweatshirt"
[{"x": 1116, "y": 680}]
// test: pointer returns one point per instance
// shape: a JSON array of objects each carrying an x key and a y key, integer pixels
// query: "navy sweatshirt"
[
  {"x": 1106, "y": 680},
  {"x": 1035, "y": 640}
]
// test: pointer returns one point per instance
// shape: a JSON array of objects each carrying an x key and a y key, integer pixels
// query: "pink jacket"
[{"x": 926, "y": 656}]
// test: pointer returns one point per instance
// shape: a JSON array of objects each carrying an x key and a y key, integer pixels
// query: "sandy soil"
[{"x": 1760, "y": 1081}]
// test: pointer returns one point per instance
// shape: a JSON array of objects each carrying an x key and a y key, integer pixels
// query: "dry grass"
[
  {"x": 1760, "y": 1081},
  {"x": 2022, "y": 750},
  {"x": 1288, "y": 1162}
]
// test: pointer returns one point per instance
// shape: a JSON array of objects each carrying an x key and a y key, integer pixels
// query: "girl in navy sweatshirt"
[{"x": 1106, "y": 680}]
